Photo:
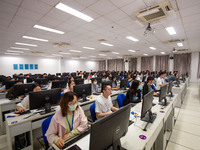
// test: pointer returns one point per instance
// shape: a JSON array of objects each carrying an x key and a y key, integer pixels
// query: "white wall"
[
  {"x": 194, "y": 66},
  {"x": 45, "y": 65},
  {"x": 74, "y": 65}
]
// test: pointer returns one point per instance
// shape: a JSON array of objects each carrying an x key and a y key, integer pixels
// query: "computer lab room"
[{"x": 99, "y": 75}]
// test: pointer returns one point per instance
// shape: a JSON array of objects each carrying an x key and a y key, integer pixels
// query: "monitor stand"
[
  {"x": 84, "y": 98},
  {"x": 47, "y": 109},
  {"x": 117, "y": 145},
  {"x": 149, "y": 118},
  {"x": 165, "y": 103}
]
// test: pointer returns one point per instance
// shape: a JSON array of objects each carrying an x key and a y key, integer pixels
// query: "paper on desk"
[
  {"x": 155, "y": 101},
  {"x": 2, "y": 101}
]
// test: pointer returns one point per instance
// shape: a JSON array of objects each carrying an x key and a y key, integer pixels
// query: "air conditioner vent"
[
  {"x": 105, "y": 51},
  {"x": 36, "y": 52},
  {"x": 154, "y": 12},
  {"x": 181, "y": 50}
]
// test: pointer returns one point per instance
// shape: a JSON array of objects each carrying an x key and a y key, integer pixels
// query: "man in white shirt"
[
  {"x": 103, "y": 103},
  {"x": 94, "y": 75},
  {"x": 160, "y": 81}
]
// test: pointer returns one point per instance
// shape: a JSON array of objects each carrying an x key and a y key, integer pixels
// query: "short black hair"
[{"x": 105, "y": 86}]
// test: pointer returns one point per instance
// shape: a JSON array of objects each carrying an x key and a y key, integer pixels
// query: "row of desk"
[{"x": 164, "y": 122}]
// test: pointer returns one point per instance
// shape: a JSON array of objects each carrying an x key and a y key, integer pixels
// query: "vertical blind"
[
  {"x": 147, "y": 63},
  {"x": 102, "y": 65},
  {"x": 162, "y": 63},
  {"x": 198, "y": 73},
  {"x": 133, "y": 64},
  {"x": 182, "y": 63},
  {"x": 116, "y": 65}
]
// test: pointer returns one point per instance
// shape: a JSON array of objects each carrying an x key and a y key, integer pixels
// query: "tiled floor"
[{"x": 186, "y": 133}]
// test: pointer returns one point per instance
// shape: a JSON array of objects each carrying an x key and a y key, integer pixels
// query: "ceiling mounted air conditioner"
[{"x": 154, "y": 12}]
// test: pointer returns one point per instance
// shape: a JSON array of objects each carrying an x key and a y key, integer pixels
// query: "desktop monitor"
[
  {"x": 106, "y": 132},
  {"x": 58, "y": 74},
  {"x": 83, "y": 90},
  {"x": 9, "y": 84},
  {"x": 22, "y": 89},
  {"x": 124, "y": 83},
  {"x": 39, "y": 99},
  {"x": 146, "y": 113},
  {"x": 99, "y": 80},
  {"x": 41, "y": 81},
  {"x": 29, "y": 80},
  {"x": 63, "y": 79},
  {"x": 59, "y": 84},
  {"x": 125, "y": 76},
  {"x": 162, "y": 95},
  {"x": 77, "y": 77},
  {"x": 105, "y": 83},
  {"x": 169, "y": 89},
  {"x": 50, "y": 77},
  {"x": 73, "y": 74},
  {"x": 79, "y": 81}
]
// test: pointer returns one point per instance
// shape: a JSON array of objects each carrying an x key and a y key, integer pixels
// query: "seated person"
[
  {"x": 94, "y": 86},
  {"x": 147, "y": 86},
  {"x": 69, "y": 120},
  {"x": 10, "y": 93},
  {"x": 103, "y": 103},
  {"x": 87, "y": 80},
  {"x": 160, "y": 81},
  {"x": 133, "y": 94},
  {"x": 131, "y": 81},
  {"x": 109, "y": 78},
  {"x": 24, "y": 105},
  {"x": 114, "y": 83},
  {"x": 94, "y": 75},
  {"x": 173, "y": 77},
  {"x": 3, "y": 88},
  {"x": 70, "y": 88}
]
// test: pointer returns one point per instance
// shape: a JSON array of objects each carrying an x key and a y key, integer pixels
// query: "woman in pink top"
[{"x": 68, "y": 121}]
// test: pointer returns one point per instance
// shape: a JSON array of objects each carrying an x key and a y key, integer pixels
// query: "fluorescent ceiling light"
[
  {"x": 132, "y": 38},
  {"x": 19, "y": 48},
  {"x": 148, "y": 12},
  {"x": 102, "y": 54},
  {"x": 26, "y": 44},
  {"x": 92, "y": 56},
  {"x": 64, "y": 53},
  {"x": 89, "y": 48},
  {"x": 56, "y": 55},
  {"x": 162, "y": 53},
  {"x": 115, "y": 53},
  {"x": 75, "y": 51},
  {"x": 107, "y": 44},
  {"x": 11, "y": 53},
  {"x": 153, "y": 48},
  {"x": 130, "y": 50},
  {"x": 33, "y": 38},
  {"x": 48, "y": 29},
  {"x": 180, "y": 44},
  {"x": 73, "y": 12},
  {"x": 119, "y": 57},
  {"x": 145, "y": 54},
  {"x": 15, "y": 51},
  {"x": 170, "y": 30}
]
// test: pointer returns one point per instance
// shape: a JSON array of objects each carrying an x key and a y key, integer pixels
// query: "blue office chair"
[
  {"x": 93, "y": 113},
  {"x": 45, "y": 126},
  {"x": 120, "y": 99}
]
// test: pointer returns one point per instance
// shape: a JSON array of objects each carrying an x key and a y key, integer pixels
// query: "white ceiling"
[{"x": 113, "y": 21}]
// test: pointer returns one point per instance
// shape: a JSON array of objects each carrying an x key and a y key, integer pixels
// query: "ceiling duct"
[
  {"x": 181, "y": 50},
  {"x": 154, "y": 12},
  {"x": 61, "y": 44},
  {"x": 36, "y": 52},
  {"x": 105, "y": 51},
  {"x": 174, "y": 41}
]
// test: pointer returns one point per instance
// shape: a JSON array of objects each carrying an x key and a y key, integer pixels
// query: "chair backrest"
[
  {"x": 45, "y": 126},
  {"x": 120, "y": 99},
  {"x": 93, "y": 113}
]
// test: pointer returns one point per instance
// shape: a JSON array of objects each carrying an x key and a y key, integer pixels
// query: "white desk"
[
  {"x": 156, "y": 132},
  {"x": 6, "y": 105}
]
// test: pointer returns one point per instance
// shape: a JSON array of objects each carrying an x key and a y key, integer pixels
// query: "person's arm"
[
  {"x": 114, "y": 108},
  {"x": 100, "y": 115}
]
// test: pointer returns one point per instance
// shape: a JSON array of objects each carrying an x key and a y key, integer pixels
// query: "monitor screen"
[
  {"x": 146, "y": 114},
  {"x": 79, "y": 81},
  {"x": 22, "y": 89},
  {"x": 40, "y": 98},
  {"x": 9, "y": 84},
  {"x": 107, "y": 131},
  {"x": 83, "y": 90},
  {"x": 59, "y": 84},
  {"x": 77, "y": 77},
  {"x": 105, "y": 83},
  {"x": 162, "y": 95},
  {"x": 42, "y": 81},
  {"x": 29, "y": 80},
  {"x": 124, "y": 83},
  {"x": 169, "y": 89}
]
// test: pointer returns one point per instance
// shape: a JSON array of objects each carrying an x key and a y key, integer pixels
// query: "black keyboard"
[
  {"x": 96, "y": 93},
  {"x": 75, "y": 138}
]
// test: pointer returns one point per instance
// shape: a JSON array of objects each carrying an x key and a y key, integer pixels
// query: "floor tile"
[
  {"x": 189, "y": 118},
  {"x": 185, "y": 139},
  {"x": 174, "y": 146}
]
